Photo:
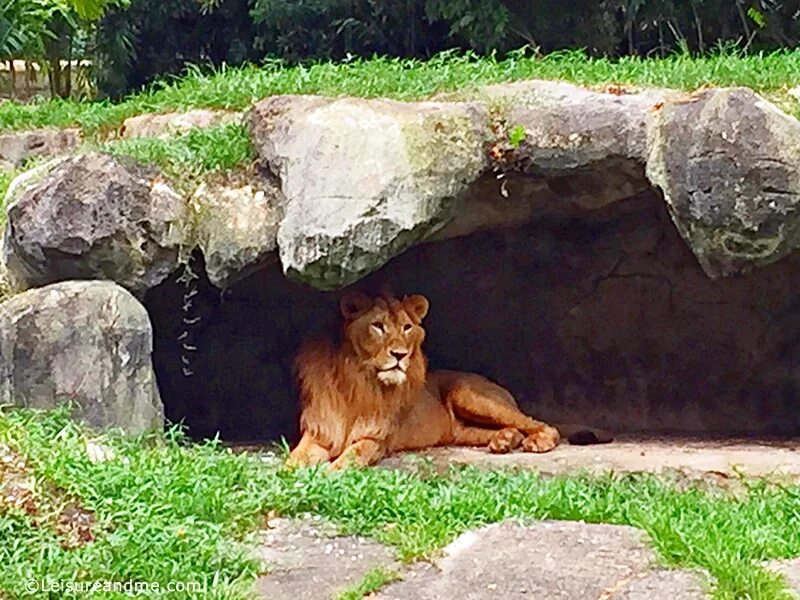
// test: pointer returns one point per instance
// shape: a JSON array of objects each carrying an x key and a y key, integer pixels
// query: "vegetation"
[
  {"x": 372, "y": 581},
  {"x": 406, "y": 79},
  {"x": 129, "y": 43},
  {"x": 165, "y": 509},
  {"x": 154, "y": 37},
  {"x": 183, "y": 157},
  {"x": 49, "y": 32}
]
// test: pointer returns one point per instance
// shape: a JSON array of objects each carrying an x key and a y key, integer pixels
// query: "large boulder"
[
  {"x": 236, "y": 224},
  {"x": 167, "y": 124},
  {"x": 355, "y": 182},
  {"x": 728, "y": 163},
  {"x": 93, "y": 217},
  {"x": 364, "y": 179},
  {"x": 16, "y": 148},
  {"x": 84, "y": 342}
]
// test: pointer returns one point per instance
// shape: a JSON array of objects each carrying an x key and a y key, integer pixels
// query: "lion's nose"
[{"x": 399, "y": 354}]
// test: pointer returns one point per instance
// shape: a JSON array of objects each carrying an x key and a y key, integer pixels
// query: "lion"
[{"x": 372, "y": 395}]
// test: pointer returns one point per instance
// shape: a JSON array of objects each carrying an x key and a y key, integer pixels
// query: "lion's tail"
[{"x": 583, "y": 435}]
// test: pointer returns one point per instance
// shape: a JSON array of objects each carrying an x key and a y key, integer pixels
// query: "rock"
[
  {"x": 364, "y": 179},
  {"x": 547, "y": 560},
  {"x": 236, "y": 228},
  {"x": 568, "y": 126},
  {"x": 6, "y": 358},
  {"x": 728, "y": 163},
  {"x": 790, "y": 570},
  {"x": 717, "y": 463},
  {"x": 308, "y": 561},
  {"x": 16, "y": 148},
  {"x": 359, "y": 181},
  {"x": 84, "y": 342},
  {"x": 94, "y": 217},
  {"x": 164, "y": 125}
]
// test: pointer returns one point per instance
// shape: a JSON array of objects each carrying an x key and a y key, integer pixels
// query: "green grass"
[
  {"x": 6, "y": 177},
  {"x": 406, "y": 79},
  {"x": 184, "y": 156},
  {"x": 169, "y": 510},
  {"x": 372, "y": 581}
]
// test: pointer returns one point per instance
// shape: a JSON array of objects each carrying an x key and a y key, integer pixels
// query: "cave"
[{"x": 599, "y": 315}]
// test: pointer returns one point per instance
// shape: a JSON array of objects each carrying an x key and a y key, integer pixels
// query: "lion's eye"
[
  {"x": 378, "y": 326},
  {"x": 407, "y": 327}
]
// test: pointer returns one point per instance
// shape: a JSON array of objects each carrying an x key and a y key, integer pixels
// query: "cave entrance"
[{"x": 603, "y": 318}]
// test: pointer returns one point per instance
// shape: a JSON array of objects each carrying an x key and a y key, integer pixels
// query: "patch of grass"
[
  {"x": 6, "y": 177},
  {"x": 169, "y": 510},
  {"x": 406, "y": 79},
  {"x": 372, "y": 581},
  {"x": 187, "y": 155}
]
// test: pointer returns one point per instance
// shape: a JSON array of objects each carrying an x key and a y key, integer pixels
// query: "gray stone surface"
[
  {"x": 358, "y": 181},
  {"x": 307, "y": 561},
  {"x": 16, "y": 148},
  {"x": 364, "y": 179},
  {"x": 790, "y": 570},
  {"x": 547, "y": 559},
  {"x": 728, "y": 163},
  {"x": 6, "y": 357},
  {"x": 662, "y": 583},
  {"x": 565, "y": 560},
  {"x": 94, "y": 217},
  {"x": 709, "y": 461},
  {"x": 88, "y": 343},
  {"x": 236, "y": 227},
  {"x": 166, "y": 124}
]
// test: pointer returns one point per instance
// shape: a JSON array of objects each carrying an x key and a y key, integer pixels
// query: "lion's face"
[{"x": 386, "y": 333}]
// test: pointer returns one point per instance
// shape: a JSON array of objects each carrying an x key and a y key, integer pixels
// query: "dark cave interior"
[{"x": 603, "y": 318}]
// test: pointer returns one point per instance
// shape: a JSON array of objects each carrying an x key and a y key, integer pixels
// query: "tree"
[
  {"x": 71, "y": 21},
  {"x": 47, "y": 31}
]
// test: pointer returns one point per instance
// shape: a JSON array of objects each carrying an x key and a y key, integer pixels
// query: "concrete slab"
[
  {"x": 308, "y": 561},
  {"x": 701, "y": 458},
  {"x": 555, "y": 560}
]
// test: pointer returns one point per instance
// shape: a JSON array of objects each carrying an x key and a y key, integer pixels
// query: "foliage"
[
  {"x": 184, "y": 157},
  {"x": 23, "y": 27},
  {"x": 49, "y": 31},
  {"x": 299, "y": 30},
  {"x": 167, "y": 509},
  {"x": 372, "y": 581},
  {"x": 138, "y": 41},
  {"x": 516, "y": 136},
  {"x": 408, "y": 79},
  {"x": 152, "y": 38}
]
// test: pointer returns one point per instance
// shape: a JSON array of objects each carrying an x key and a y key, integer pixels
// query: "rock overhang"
[{"x": 347, "y": 184}]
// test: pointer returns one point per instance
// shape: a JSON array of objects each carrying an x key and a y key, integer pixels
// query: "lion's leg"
[
  {"x": 362, "y": 453},
  {"x": 499, "y": 441},
  {"x": 486, "y": 403},
  {"x": 308, "y": 452}
]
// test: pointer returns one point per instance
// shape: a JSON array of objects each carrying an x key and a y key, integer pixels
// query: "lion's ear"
[
  {"x": 354, "y": 304},
  {"x": 416, "y": 306}
]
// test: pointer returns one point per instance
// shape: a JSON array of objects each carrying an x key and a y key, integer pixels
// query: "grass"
[
  {"x": 405, "y": 79},
  {"x": 372, "y": 581},
  {"x": 6, "y": 177},
  {"x": 184, "y": 156},
  {"x": 169, "y": 510}
]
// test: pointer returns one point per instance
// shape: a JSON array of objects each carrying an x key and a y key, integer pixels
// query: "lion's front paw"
[
  {"x": 505, "y": 441},
  {"x": 342, "y": 463},
  {"x": 543, "y": 440}
]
